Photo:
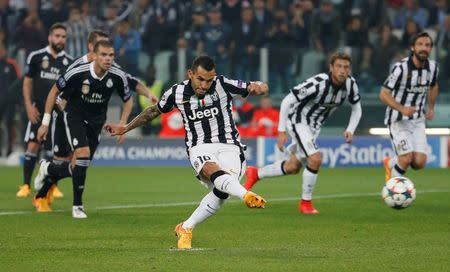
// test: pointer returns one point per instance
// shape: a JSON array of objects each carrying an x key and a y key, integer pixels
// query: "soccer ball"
[{"x": 398, "y": 192}]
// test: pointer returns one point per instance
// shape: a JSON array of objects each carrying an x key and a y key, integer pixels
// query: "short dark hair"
[
  {"x": 94, "y": 34},
  {"x": 340, "y": 55},
  {"x": 422, "y": 34},
  {"x": 205, "y": 62},
  {"x": 103, "y": 44},
  {"x": 56, "y": 26}
]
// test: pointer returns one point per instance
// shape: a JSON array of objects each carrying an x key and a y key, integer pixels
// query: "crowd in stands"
[{"x": 299, "y": 36}]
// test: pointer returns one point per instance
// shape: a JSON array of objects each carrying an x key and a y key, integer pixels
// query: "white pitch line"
[{"x": 177, "y": 204}]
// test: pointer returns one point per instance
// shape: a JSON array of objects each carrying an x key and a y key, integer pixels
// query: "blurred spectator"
[
  {"x": 187, "y": 9},
  {"x": 231, "y": 10},
  {"x": 242, "y": 115},
  {"x": 374, "y": 14},
  {"x": 156, "y": 87},
  {"x": 88, "y": 17},
  {"x": 300, "y": 25},
  {"x": 7, "y": 19},
  {"x": 437, "y": 14},
  {"x": 357, "y": 39},
  {"x": 31, "y": 35},
  {"x": 193, "y": 35},
  {"x": 265, "y": 119},
  {"x": 263, "y": 17},
  {"x": 382, "y": 53},
  {"x": 411, "y": 10},
  {"x": 9, "y": 97},
  {"x": 246, "y": 39},
  {"x": 57, "y": 13},
  {"x": 443, "y": 52},
  {"x": 114, "y": 13},
  {"x": 77, "y": 33},
  {"x": 216, "y": 38},
  {"x": 161, "y": 33},
  {"x": 140, "y": 16},
  {"x": 172, "y": 125},
  {"x": 411, "y": 29},
  {"x": 127, "y": 44},
  {"x": 326, "y": 27},
  {"x": 280, "y": 42}
]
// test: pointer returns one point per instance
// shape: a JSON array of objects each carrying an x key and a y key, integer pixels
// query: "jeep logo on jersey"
[{"x": 200, "y": 114}]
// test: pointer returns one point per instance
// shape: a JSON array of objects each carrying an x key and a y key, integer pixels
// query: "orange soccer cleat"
[
  {"x": 306, "y": 207},
  {"x": 251, "y": 177},
  {"x": 388, "y": 170},
  {"x": 184, "y": 236}
]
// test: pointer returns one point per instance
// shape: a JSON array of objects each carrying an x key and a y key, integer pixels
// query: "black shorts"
[
  {"x": 84, "y": 132},
  {"x": 32, "y": 129},
  {"x": 60, "y": 143}
]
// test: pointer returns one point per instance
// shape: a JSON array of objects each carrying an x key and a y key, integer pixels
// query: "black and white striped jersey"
[
  {"x": 87, "y": 94},
  {"x": 317, "y": 98},
  {"x": 409, "y": 86},
  {"x": 207, "y": 119}
]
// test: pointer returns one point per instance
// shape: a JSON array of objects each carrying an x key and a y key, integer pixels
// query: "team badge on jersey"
[
  {"x": 109, "y": 83},
  {"x": 214, "y": 97},
  {"x": 85, "y": 88},
  {"x": 65, "y": 61},
  {"x": 45, "y": 62}
]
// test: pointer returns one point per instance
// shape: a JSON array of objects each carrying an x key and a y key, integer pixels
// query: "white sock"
[
  {"x": 309, "y": 181},
  {"x": 209, "y": 205},
  {"x": 271, "y": 170},
  {"x": 392, "y": 162},
  {"x": 230, "y": 185},
  {"x": 397, "y": 171}
]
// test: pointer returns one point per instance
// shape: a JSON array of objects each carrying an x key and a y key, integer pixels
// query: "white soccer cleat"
[
  {"x": 42, "y": 173},
  {"x": 78, "y": 212}
]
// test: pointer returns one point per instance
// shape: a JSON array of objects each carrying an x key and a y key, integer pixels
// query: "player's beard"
[
  {"x": 57, "y": 47},
  {"x": 421, "y": 56}
]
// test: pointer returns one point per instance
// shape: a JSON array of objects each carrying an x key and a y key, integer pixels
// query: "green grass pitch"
[{"x": 133, "y": 211}]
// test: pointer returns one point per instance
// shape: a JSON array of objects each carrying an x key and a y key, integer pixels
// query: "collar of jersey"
[
  {"x": 93, "y": 74},
  {"x": 191, "y": 91},
  {"x": 60, "y": 54},
  {"x": 412, "y": 66}
]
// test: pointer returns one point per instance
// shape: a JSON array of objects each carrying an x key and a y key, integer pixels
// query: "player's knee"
[
  {"x": 416, "y": 165},
  {"x": 82, "y": 152},
  {"x": 314, "y": 161},
  {"x": 33, "y": 147},
  {"x": 405, "y": 160},
  {"x": 291, "y": 167}
]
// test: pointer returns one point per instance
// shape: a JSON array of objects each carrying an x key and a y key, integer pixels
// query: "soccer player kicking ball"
[
  {"x": 212, "y": 140},
  {"x": 302, "y": 113},
  {"x": 405, "y": 91}
]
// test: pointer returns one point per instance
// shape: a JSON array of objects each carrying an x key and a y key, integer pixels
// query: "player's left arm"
[
  {"x": 353, "y": 122},
  {"x": 432, "y": 95},
  {"x": 257, "y": 88}
]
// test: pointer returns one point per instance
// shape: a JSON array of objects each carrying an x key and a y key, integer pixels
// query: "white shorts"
[
  {"x": 303, "y": 141},
  {"x": 408, "y": 136},
  {"x": 228, "y": 156}
]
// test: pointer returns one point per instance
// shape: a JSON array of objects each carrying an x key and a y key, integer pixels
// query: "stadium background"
[{"x": 280, "y": 42}]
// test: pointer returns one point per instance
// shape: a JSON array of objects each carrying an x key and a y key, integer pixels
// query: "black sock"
[
  {"x": 48, "y": 182},
  {"x": 59, "y": 169},
  {"x": 78, "y": 178},
  {"x": 28, "y": 166}
]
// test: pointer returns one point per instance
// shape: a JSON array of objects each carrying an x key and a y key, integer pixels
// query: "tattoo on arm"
[{"x": 144, "y": 117}]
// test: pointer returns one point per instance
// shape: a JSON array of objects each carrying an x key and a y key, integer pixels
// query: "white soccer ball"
[{"x": 398, "y": 192}]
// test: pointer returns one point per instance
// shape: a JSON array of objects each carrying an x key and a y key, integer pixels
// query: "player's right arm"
[
  {"x": 287, "y": 103},
  {"x": 27, "y": 90},
  {"x": 165, "y": 105},
  {"x": 392, "y": 83},
  {"x": 49, "y": 105},
  {"x": 387, "y": 98},
  {"x": 143, "y": 118}
]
